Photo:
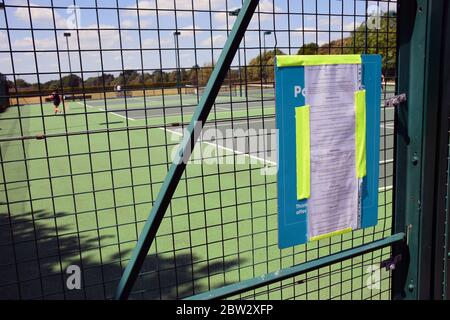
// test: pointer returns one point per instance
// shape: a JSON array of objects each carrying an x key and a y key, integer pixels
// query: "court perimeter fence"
[{"x": 77, "y": 186}]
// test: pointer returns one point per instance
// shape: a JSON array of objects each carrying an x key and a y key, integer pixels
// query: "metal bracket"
[
  {"x": 391, "y": 263},
  {"x": 396, "y": 100}
]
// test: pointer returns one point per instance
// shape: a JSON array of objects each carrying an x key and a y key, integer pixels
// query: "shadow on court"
[{"x": 34, "y": 252}]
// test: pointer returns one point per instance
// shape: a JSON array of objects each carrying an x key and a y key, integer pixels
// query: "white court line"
[
  {"x": 101, "y": 109},
  {"x": 223, "y": 108}
]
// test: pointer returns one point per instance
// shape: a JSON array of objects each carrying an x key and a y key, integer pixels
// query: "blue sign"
[{"x": 290, "y": 94}]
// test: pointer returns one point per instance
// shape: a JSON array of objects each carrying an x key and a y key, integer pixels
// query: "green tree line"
[{"x": 260, "y": 68}]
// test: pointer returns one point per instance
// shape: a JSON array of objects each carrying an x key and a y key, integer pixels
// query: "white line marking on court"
[
  {"x": 222, "y": 108},
  {"x": 236, "y": 121},
  {"x": 101, "y": 109}
]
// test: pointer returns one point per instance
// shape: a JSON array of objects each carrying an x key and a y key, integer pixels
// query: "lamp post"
[
  {"x": 235, "y": 13},
  {"x": 177, "y": 59},
  {"x": 67, "y": 35},
  {"x": 266, "y": 33}
]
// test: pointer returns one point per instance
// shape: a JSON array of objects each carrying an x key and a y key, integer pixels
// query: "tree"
[
  {"x": 71, "y": 81},
  {"x": 262, "y": 67},
  {"x": 205, "y": 73},
  {"x": 128, "y": 77},
  {"x": 309, "y": 48},
  {"x": 158, "y": 76},
  {"x": 194, "y": 75},
  {"x": 382, "y": 41},
  {"x": 20, "y": 83}
]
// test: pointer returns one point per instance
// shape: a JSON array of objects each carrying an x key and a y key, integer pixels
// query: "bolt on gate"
[{"x": 135, "y": 79}]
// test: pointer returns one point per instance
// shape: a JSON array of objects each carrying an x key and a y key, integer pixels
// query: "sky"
[{"x": 295, "y": 24}]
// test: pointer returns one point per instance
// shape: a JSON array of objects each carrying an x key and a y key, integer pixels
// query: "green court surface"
[{"x": 82, "y": 199}]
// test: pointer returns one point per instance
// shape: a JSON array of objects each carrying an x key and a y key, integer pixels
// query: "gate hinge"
[
  {"x": 396, "y": 100},
  {"x": 391, "y": 263}
]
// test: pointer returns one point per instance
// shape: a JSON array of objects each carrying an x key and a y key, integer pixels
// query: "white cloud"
[
  {"x": 268, "y": 8},
  {"x": 188, "y": 31},
  {"x": 220, "y": 20},
  {"x": 144, "y": 7},
  {"x": 37, "y": 14},
  {"x": 152, "y": 43},
  {"x": 218, "y": 41},
  {"x": 308, "y": 29},
  {"x": 350, "y": 26},
  {"x": 26, "y": 43},
  {"x": 128, "y": 23},
  {"x": 4, "y": 45},
  {"x": 165, "y": 7}
]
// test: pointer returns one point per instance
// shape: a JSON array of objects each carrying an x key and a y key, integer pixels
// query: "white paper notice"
[{"x": 330, "y": 91}]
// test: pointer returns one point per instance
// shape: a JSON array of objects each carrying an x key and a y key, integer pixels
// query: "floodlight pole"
[
  {"x": 235, "y": 13},
  {"x": 266, "y": 33},
  {"x": 177, "y": 59},
  {"x": 67, "y": 35},
  {"x": 184, "y": 150}
]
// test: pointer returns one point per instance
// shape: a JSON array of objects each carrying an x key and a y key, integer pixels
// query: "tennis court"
[
  {"x": 77, "y": 187},
  {"x": 81, "y": 199}
]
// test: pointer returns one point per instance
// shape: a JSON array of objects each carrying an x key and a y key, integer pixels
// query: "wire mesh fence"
[{"x": 79, "y": 179}]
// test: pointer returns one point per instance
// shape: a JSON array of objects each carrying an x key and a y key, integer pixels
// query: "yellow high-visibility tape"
[
  {"x": 331, "y": 234},
  {"x": 361, "y": 162},
  {"x": 314, "y": 60},
  {"x": 303, "y": 152}
]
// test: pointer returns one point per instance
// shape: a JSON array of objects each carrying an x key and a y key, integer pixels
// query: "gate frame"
[
  {"x": 442, "y": 241},
  {"x": 417, "y": 204},
  {"x": 418, "y": 175}
]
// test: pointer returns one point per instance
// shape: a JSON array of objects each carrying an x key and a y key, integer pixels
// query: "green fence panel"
[{"x": 77, "y": 187}]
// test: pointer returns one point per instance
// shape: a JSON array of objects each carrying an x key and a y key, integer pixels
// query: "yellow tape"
[
  {"x": 361, "y": 162},
  {"x": 331, "y": 234},
  {"x": 314, "y": 60},
  {"x": 303, "y": 152}
]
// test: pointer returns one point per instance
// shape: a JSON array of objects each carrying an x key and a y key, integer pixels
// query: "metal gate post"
[
  {"x": 419, "y": 56},
  {"x": 441, "y": 259}
]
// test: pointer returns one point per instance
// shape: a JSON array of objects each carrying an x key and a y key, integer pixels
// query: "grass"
[{"x": 83, "y": 200}]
